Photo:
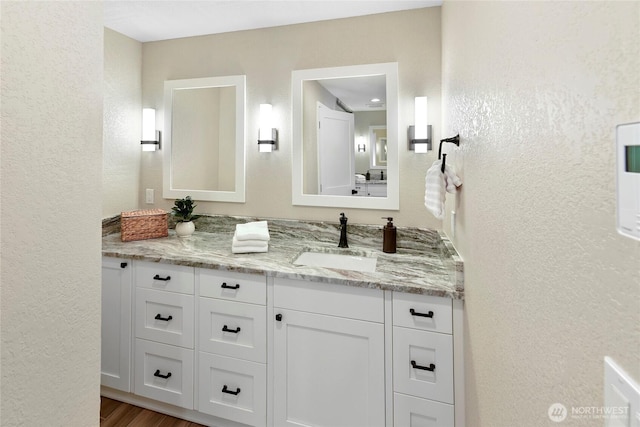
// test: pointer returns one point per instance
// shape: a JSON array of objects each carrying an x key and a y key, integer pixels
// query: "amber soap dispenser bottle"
[{"x": 389, "y": 236}]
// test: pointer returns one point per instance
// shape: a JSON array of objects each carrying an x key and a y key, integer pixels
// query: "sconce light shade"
[
  {"x": 361, "y": 144},
  {"x": 419, "y": 135},
  {"x": 150, "y": 136},
  {"x": 267, "y": 134}
]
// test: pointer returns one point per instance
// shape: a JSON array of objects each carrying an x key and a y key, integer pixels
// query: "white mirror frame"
[
  {"x": 392, "y": 201},
  {"x": 237, "y": 196}
]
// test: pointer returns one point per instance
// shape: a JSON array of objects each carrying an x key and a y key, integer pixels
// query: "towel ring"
[{"x": 453, "y": 140}]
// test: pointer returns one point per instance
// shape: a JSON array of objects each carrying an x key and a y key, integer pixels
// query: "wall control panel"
[{"x": 628, "y": 179}]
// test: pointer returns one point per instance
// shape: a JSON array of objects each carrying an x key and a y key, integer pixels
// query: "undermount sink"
[{"x": 341, "y": 261}]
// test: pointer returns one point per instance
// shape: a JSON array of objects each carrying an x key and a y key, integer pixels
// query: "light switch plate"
[
  {"x": 149, "y": 196},
  {"x": 621, "y": 397}
]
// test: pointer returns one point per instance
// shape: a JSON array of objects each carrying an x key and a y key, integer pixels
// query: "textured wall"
[
  {"x": 122, "y": 123},
  {"x": 52, "y": 84},
  {"x": 535, "y": 90},
  {"x": 267, "y": 57}
]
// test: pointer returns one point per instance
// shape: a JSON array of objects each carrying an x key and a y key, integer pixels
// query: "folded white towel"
[
  {"x": 250, "y": 249},
  {"x": 437, "y": 184},
  {"x": 257, "y": 230},
  {"x": 360, "y": 179},
  {"x": 239, "y": 243}
]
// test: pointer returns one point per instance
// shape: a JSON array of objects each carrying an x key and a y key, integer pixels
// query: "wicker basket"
[{"x": 143, "y": 224}]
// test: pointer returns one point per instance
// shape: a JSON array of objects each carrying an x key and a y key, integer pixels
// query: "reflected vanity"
[
  {"x": 329, "y": 121},
  {"x": 204, "y": 139}
]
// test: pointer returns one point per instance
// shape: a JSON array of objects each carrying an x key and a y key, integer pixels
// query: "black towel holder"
[{"x": 453, "y": 140}]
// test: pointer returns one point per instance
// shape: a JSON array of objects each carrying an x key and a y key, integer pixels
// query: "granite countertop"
[{"x": 425, "y": 263}]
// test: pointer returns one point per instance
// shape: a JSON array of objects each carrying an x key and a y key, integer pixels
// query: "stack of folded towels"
[{"x": 251, "y": 237}]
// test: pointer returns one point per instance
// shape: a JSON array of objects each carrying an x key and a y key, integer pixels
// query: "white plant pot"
[{"x": 185, "y": 229}]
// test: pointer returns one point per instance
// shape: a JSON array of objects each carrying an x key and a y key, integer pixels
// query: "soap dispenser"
[{"x": 389, "y": 236}]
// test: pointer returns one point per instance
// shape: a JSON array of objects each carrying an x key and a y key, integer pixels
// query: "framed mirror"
[
  {"x": 204, "y": 134},
  {"x": 378, "y": 144},
  {"x": 334, "y": 111}
]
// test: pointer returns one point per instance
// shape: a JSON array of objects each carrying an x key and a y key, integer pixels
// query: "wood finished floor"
[{"x": 118, "y": 414}]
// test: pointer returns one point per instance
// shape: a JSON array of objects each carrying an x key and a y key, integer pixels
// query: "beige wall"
[
  {"x": 122, "y": 123},
  {"x": 536, "y": 90},
  {"x": 50, "y": 169},
  {"x": 267, "y": 57}
]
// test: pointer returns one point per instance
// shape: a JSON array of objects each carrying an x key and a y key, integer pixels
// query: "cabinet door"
[
  {"x": 329, "y": 371},
  {"x": 116, "y": 324}
]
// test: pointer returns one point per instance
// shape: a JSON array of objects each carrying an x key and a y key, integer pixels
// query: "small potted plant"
[{"x": 183, "y": 213}]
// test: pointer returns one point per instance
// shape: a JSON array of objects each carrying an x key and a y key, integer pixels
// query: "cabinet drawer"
[
  {"x": 432, "y": 355},
  {"x": 164, "y": 372},
  {"x": 232, "y": 389},
  {"x": 422, "y": 312},
  {"x": 167, "y": 277},
  {"x": 240, "y": 287},
  {"x": 164, "y": 317},
  {"x": 327, "y": 298},
  {"x": 233, "y": 329},
  {"x": 409, "y": 411}
]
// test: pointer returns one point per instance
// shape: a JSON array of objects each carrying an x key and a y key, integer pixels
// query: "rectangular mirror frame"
[
  {"x": 391, "y": 202},
  {"x": 237, "y": 196}
]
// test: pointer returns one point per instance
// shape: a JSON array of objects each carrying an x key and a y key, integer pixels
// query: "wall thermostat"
[{"x": 628, "y": 179}]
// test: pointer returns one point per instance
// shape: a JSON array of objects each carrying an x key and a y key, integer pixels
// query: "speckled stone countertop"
[{"x": 425, "y": 262}]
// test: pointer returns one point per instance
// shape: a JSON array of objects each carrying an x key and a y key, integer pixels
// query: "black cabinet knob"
[{"x": 279, "y": 317}]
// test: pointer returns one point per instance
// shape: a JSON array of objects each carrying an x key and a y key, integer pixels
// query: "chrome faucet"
[{"x": 343, "y": 231}]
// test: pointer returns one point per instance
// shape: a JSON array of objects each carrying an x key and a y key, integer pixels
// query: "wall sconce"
[
  {"x": 361, "y": 145},
  {"x": 150, "y": 136},
  {"x": 419, "y": 135},
  {"x": 267, "y": 134}
]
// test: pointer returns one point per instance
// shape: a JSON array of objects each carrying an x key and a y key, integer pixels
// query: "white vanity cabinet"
[
  {"x": 232, "y": 372},
  {"x": 116, "y": 324},
  {"x": 164, "y": 327},
  {"x": 230, "y": 349},
  {"x": 423, "y": 370},
  {"x": 329, "y": 361},
  {"x": 377, "y": 189}
]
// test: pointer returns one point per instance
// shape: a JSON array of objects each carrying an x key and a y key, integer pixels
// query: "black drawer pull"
[
  {"x": 279, "y": 317},
  {"x": 415, "y": 313},
  {"x": 226, "y": 390},
  {"x": 429, "y": 368},
  {"x": 159, "y": 375},
  {"x": 159, "y": 317},
  {"x": 225, "y": 286},
  {"x": 123, "y": 265},
  {"x": 233, "y": 331},
  {"x": 164, "y": 279}
]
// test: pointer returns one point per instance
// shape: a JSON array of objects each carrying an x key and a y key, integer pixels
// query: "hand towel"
[
  {"x": 437, "y": 184},
  {"x": 239, "y": 243},
  {"x": 452, "y": 180},
  {"x": 250, "y": 249},
  {"x": 257, "y": 230}
]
